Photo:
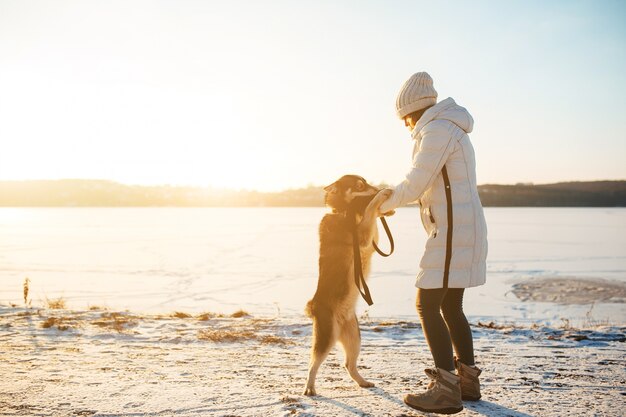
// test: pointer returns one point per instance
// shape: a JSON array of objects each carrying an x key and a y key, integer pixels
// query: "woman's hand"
[{"x": 386, "y": 193}]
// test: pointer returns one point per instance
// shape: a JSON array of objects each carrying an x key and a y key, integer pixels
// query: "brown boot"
[
  {"x": 443, "y": 395},
  {"x": 470, "y": 386}
]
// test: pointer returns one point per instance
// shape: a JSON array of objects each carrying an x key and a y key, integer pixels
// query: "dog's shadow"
[
  {"x": 384, "y": 394},
  {"x": 342, "y": 405},
  {"x": 357, "y": 411}
]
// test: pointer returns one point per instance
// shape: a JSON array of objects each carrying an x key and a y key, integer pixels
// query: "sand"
[{"x": 124, "y": 364}]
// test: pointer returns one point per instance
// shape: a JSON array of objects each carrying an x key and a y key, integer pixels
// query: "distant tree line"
[
  {"x": 100, "y": 193},
  {"x": 563, "y": 194}
]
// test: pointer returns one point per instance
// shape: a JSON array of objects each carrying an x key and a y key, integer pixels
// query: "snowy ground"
[{"x": 110, "y": 364}]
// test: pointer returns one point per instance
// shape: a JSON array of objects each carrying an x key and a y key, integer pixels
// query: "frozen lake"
[{"x": 264, "y": 260}]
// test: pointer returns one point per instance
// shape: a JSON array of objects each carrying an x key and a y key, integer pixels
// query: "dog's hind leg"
[
  {"x": 324, "y": 338},
  {"x": 350, "y": 339}
]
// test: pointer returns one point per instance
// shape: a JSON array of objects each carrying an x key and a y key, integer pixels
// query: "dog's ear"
[{"x": 331, "y": 187}]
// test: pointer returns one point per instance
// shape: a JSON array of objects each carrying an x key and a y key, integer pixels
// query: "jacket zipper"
[{"x": 446, "y": 270}]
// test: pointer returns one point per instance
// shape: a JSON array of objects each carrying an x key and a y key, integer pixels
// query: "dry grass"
[
  {"x": 181, "y": 315},
  {"x": 97, "y": 308},
  {"x": 566, "y": 325},
  {"x": 56, "y": 304},
  {"x": 365, "y": 317},
  {"x": 26, "y": 289},
  {"x": 240, "y": 313},
  {"x": 208, "y": 316},
  {"x": 259, "y": 322},
  {"x": 234, "y": 335},
  {"x": 220, "y": 335},
  {"x": 289, "y": 400},
  {"x": 205, "y": 316},
  {"x": 61, "y": 323},
  {"x": 72, "y": 349},
  {"x": 400, "y": 324},
  {"x": 274, "y": 340},
  {"x": 492, "y": 325},
  {"x": 116, "y": 321},
  {"x": 591, "y": 323}
]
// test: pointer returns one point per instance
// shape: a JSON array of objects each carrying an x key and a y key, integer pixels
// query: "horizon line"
[{"x": 243, "y": 189}]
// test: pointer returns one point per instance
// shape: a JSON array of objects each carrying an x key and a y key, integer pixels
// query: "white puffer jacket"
[{"x": 456, "y": 257}]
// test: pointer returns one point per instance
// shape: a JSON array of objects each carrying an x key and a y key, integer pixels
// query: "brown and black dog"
[{"x": 333, "y": 305}]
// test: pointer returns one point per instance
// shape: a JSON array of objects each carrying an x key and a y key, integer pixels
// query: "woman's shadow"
[{"x": 485, "y": 408}]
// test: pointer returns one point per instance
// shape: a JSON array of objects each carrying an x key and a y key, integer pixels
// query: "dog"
[{"x": 332, "y": 308}]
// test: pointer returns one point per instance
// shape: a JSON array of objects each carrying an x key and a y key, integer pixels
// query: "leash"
[
  {"x": 386, "y": 227},
  {"x": 359, "y": 279}
]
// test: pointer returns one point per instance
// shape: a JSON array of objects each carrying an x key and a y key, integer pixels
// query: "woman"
[{"x": 442, "y": 180}]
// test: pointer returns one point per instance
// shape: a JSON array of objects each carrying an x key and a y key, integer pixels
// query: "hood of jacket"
[{"x": 446, "y": 110}]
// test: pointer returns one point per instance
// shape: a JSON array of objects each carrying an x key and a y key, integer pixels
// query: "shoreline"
[{"x": 532, "y": 301}]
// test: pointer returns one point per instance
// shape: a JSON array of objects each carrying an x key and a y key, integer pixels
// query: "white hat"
[{"x": 418, "y": 92}]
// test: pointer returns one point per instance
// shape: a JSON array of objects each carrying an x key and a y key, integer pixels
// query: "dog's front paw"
[
  {"x": 309, "y": 392},
  {"x": 384, "y": 194},
  {"x": 379, "y": 199}
]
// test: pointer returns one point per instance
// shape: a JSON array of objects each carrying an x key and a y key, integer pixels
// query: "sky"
[{"x": 271, "y": 95}]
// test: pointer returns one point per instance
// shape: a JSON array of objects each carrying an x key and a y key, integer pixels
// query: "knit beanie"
[{"x": 416, "y": 93}]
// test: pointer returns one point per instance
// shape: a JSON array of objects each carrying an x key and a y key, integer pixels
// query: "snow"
[{"x": 158, "y": 365}]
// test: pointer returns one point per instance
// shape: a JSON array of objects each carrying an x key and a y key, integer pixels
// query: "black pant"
[{"x": 444, "y": 332}]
